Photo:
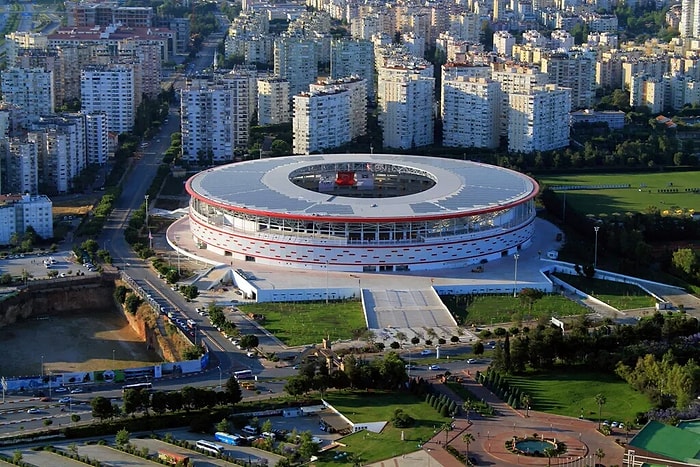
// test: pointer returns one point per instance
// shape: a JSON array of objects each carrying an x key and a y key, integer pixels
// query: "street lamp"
[
  {"x": 515, "y": 276},
  {"x": 42, "y": 368},
  {"x": 359, "y": 285},
  {"x": 150, "y": 237},
  {"x": 113, "y": 359},
  {"x": 219, "y": 368},
  {"x": 177, "y": 241},
  {"x": 595, "y": 254}
]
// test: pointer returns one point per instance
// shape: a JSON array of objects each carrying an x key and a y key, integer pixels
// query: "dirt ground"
[{"x": 79, "y": 342}]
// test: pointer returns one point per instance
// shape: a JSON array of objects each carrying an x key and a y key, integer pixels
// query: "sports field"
[{"x": 648, "y": 189}]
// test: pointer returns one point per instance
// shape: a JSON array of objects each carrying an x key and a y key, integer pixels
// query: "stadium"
[{"x": 361, "y": 212}]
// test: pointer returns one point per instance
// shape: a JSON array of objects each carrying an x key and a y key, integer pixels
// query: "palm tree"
[
  {"x": 549, "y": 453},
  {"x": 600, "y": 399},
  {"x": 467, "y": 406},
  {"x": 447, "y": 426},
  {"x": 468, "y": 438},
  {"x": 600, "y": 454},
  {"x": 628, "y": 428},
  {"x": 526, "y": 400}
]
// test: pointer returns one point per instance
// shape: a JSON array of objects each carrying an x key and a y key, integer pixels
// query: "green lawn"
[
  {"x": 570, "y": 392},
  {"x": 308, "y": 323},
  {"x": 366, "y": 407},
  {"x": 619, "y": 295},
  {"x": 611, "y": 201},
  {"x": 493, "y": 309}
]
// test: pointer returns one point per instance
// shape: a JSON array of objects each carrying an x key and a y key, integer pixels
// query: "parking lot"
[{"x": 34, "y": 266}]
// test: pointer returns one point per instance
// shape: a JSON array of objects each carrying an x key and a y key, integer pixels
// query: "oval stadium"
[{"x": 361, "y": 212}]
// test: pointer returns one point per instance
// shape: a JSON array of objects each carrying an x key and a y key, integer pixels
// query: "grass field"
[
  {"x": 633, "y": 199},
  {"x": 572, "y": 393},
  {"x": 366, "y": 407},
  {"x": 492, "y": 309},
  {"x": 618, "y": 295},
  {"x": 308, "y": 323},
  {"x": 75, "y": 206}
]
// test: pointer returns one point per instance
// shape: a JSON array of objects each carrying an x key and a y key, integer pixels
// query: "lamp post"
[
  {"x": 219, "y": 368},
  {"x": 113, "y": 358},
  {"x": 177, "y": 244},
  {"x": 595, "y": 251},
  {"x": 326, "y": 282},
  {"x": 150, "y": 237},
  {"x": 42, "y": 368},
  {"x": 515, "y": 276},
  {"x": 359, "y": 285}
]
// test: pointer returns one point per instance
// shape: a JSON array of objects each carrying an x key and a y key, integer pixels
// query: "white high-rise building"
[
  {"x": 354, "y": 57},
  {"x": 61, "y": 146},
  {"x": 690, "y": 18},
  {"x": 215, "y": 117},
  {"x": 18, "y": 212},
  {"x": 273, "y": 101},
  {"x": 575, "y": 71},
  {"x": 358, "y": 100},
  {"x": 295, "y": 60},
  {"x": 470, "y": 112},
  {"x": 321, "y": 120},
  {"x": 538, "y": 120},
  {"x": 503, "y": 43},
  {"x": 97, "y": 135},
  {"x": 515, "y": 80},
  {"x": 406, "y": 96},
  {"x": 31, "y": 89},
  {"x": 22, "y": 163},
  {"x": 111, "y": 89}
]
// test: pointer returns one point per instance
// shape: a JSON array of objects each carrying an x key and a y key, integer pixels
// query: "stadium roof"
[
  {"x": 263, "y": 187},
  {"x": 668, "y": 441}
]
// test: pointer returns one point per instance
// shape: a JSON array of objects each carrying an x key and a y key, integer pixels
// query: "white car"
[
  {"x": 65, "y": 400},
  {"x": 434, "y": 367},
  {"x": 472, "y": 360},
  {"x": 76, "y": 391},
  {"x": 61, "y": 389},
  {"x": 34, "y": 411},
  {"x": 426, "y": 352}
]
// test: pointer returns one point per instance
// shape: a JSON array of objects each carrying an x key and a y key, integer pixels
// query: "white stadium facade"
[{"x": 362, "y": 212}]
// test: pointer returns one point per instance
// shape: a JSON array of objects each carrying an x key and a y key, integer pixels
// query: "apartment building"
[
  {"x": 503, "y": 43},
  {"x": 321, "y": 120},
  {"x": 512, "y": 80},
  {"x": 575, "y": 71},
  {"x": 354, "y": 57},
  {"x": 406, "y": 93},
  {"x": 357, "y": 87},
  {"x": 538, "y": 120},
  {"x": 470, "y": 112},
  {"x": 111, "y": 89},
  {"x": 22, "y": 166},
  {"x": 18, "y": 212},
  {"x": 29, "y": 88},
  {"x": 97, "y": 137},
  {"x": 273, "y": 101},
  {"x": 215, "y": 117},
  {"x": 295, "y": 61}
]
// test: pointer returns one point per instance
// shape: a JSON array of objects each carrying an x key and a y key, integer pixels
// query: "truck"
[{"x": 173, "y": 458}]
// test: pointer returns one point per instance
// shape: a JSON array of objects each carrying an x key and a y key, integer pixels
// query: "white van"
[{"x": 250, "y": 430}]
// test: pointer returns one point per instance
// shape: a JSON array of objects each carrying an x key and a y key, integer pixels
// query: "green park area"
[
  {"x": 493, "y": 309},
  {"x": 309, "y": 322},
  {"x": 573, "y": 393},
  {"x": 373, "y": 407},
  {"x": 657, "y": 189},
  {"x": 619, "y": 295}
]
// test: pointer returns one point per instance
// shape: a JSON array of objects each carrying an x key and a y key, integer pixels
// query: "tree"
[
  {"x": 600, "y": 454},
  {"x": 446, "y": 427},
  {"x": 549, "y": 453},
  {"x": 600, "y": 399},
  {"x": 415, "y": 340},
  {"x": 101, "y": 408},
  {"x": 249, "y": 341},
  {"x": 75, "y": 418},
  {"x": 133, "y": 400},
  {"x": 233, "y": 390},
  {"x": 222, "y": 425},
  {"x": 468, "y": 439},
  {"x": 122, "y": 437},
  {"x": 478, "y": 348},
  {"x": 297, "y": 385},
  {"x": 159, "y": 402}
]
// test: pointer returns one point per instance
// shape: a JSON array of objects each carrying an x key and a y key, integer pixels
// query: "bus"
[
  {"x": 243, "y": 374},
  {"x": 227, "y": 438},
  {"x": 209, "y": 447},
  {"x": 138, "y": 386}
]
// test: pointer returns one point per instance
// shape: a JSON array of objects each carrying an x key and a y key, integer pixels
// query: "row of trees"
[{"x": 188, "y": 398}]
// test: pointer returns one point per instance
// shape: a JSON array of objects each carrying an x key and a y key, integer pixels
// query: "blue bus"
[{"x": 227, "y": 438}]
